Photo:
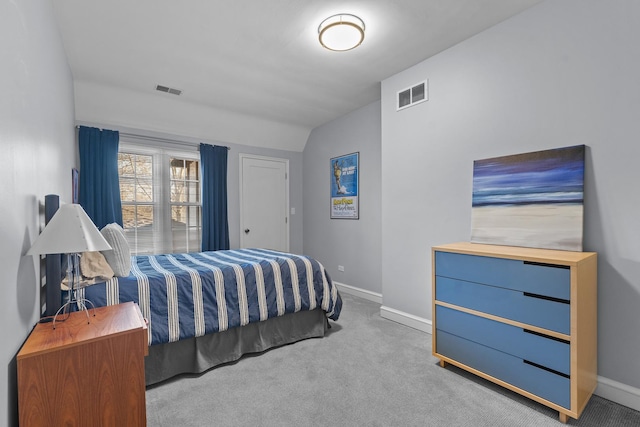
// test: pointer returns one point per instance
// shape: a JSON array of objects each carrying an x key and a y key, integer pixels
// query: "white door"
[{"x": 264, "y": 202}]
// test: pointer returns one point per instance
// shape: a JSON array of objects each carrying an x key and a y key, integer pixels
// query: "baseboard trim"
[
  {"x": 406, "y": 319},
  {"x": 618, "y": 392},
  {"x": 359, "y": 292}
]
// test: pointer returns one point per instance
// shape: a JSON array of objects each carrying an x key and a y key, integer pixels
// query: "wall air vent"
[
  {"x": 168, "y": 90},
  {"x": 413, "y": 95}
]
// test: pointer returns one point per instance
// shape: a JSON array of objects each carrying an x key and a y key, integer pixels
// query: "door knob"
[{"x": 246, "y": 231}]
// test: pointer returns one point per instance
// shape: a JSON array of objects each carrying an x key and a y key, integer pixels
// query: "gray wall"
[
  {"x": 37, "y": 141},
  {"x": 562, "y": 73},
  {"x": 354, "y": 244}
]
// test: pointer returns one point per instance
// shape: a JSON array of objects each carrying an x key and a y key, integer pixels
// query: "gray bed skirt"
[{"x": 196, "y": 355}]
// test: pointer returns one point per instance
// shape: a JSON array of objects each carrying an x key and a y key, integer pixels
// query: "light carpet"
[{"x": 367, "y": 371}]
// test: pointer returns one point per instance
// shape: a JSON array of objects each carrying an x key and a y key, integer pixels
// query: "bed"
[{"x": 208, "y": 308}]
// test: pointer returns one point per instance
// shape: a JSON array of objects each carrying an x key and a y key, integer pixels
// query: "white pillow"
[{"x": 119, "y": 258}]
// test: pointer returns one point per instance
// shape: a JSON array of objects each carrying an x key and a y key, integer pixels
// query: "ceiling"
[{"x": 261, "y": 59}]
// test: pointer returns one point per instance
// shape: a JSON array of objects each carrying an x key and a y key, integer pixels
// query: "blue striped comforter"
[{"x": 193, "y": 294}]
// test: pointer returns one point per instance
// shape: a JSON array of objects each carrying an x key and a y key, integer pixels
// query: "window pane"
[
  {"x": 194, "y": 217},
  {"x": 178, "y": 217},
  {"x": 185, "y": 228},
  {"x": 125, "y": 164},
  {"x": 177, "y": 192},
  {"x": 195, "y": 228},
  {"x": 136, "y": 173},
  {"x": 195, "y": 240},
  {"x": 144, "y": 166},
  {"x": 193, "y": 192},
  {"x": 136, "y": 190},
  {"x": 177, "y": 169},
  {"x": 185, "y": 192},
  {"x": 144, "y": 190},
  {"x": 144, "y": 217},
  {"x": 128, "y": 216},
  {"x": 145, "y": 241},
  {"x": 193, "y": 170},
  {"x": 139, "y": 231},
  {"x": 127, "y": 190},
  {"x": 179, "y": 228}
]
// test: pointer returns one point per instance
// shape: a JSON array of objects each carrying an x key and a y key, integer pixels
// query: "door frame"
[{"x": 243, "y": 156}]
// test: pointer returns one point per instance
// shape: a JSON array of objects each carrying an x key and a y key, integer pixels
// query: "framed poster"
[{"x": 344, "y": 186}]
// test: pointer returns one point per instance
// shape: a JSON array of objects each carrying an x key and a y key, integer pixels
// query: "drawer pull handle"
[
  {"x": 544, "y": 264},
  {"x": 545, "y": 297},
  {"x": 549, "y": 337},
  {"x": 553, "y": 371}
]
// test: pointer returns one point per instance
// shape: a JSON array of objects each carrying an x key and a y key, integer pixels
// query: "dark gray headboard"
[{"x": 53, "y": 263}]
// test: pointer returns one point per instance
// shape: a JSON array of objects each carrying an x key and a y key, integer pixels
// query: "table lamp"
[{"x": 70, "y": 231}]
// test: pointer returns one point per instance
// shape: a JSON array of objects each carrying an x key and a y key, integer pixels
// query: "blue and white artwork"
[
  {"x": 344, "y": 186},
  {"x": 532, "y": 199}
]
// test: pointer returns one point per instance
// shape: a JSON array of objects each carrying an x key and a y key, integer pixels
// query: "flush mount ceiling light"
[{"x": 341, "y": 32}]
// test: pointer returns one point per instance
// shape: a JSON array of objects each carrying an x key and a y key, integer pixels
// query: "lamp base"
[{"x": 81, "y": 303}]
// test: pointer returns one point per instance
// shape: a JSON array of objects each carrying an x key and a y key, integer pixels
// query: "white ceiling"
[{"x": 260, "y": 59}]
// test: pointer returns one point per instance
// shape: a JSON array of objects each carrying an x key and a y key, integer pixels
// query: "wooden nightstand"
[{"x": 83, "y": 374}]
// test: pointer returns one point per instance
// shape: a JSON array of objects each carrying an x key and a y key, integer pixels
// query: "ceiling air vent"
[
  {"x": 168, "y": 90},
  {"x": 413, "y": 95}
]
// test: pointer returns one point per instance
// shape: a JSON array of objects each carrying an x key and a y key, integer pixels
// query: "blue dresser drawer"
[
  {"x": 546, "y": 351},
  {"x": 505, "y": 303},
  {"x": 542, "y": 279},
  {"x": 513, "y": 370}
]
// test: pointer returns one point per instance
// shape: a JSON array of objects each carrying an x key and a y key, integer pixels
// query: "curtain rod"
[{"x": 159, "y": 139}]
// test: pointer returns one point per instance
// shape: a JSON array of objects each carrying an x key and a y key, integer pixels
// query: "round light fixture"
[{"x": 341, "y": 32}]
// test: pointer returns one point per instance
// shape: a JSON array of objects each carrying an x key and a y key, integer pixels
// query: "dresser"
[
  {"x": 523, "y": 318},
  {"x": 85, "y": 373}
]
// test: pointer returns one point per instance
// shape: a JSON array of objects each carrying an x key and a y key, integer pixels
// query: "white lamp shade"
[
  {"x": 69, "y": 231},
  {"x": 341, "y": 32}
]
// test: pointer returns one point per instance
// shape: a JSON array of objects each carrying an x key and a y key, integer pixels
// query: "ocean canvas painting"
[{"x": 532, "y": 199}]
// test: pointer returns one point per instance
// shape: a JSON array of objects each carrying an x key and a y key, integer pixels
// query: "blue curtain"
[
  {"x": 99, "y": 184},
  {"x": 215, "y": 224}
]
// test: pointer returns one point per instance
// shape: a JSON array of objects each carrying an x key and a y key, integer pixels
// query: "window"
[{"x": 161, "y": 208}]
